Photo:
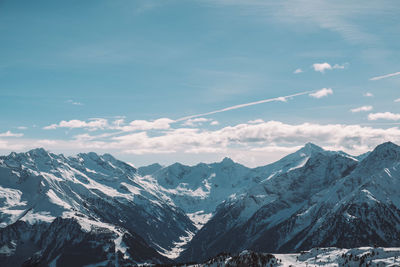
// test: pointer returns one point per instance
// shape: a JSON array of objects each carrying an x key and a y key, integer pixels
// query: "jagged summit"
[
  {"x": 36, "y": 152},
  {"x": 177, "y": 165}
]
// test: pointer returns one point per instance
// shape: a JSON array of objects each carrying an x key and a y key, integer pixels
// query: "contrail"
[
  {"x": 384, "y": 76},
  {"x": 281, "y": 98}
]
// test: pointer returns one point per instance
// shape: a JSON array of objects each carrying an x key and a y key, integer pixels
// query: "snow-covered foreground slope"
[
  {"x": 98, "y": 193},
  {"x": 329, "y": 257}
]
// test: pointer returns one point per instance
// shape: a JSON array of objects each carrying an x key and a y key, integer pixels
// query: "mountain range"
[{"x": 95, "y": 210}]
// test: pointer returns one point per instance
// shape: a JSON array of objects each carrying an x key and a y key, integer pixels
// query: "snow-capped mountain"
[
  {"x": 87, "y": 193},
  {"x": 95, "y": 209},
  {"x": 333, "y": 200}
]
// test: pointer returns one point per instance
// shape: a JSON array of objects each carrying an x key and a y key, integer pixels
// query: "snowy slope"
[
  {"x": 199, "y": 189},
  {"x": 202, "y": 187}
]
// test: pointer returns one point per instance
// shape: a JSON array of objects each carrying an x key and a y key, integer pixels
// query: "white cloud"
[
  {"x": 297, "y": 71},
  {"x": 363, "y": 108},
  {"x": 368, "y": 94},
  {"x": 146, "y": 151},
  {"x": 384, "y": 76},
  {"x": 397, "y": 100},
  {"x": 257, "y": 139},
  {"x": 337, "y": 66},
  {"x": 93, "y": 124},
  {"x": 214, "y": 123},
  {"x": 10, "y": 134},
  {"x": 321, "y": 67},
  {"x": 22, "y": 128},
  {"x": 255, "y": 135},
  {"x": 322, "y": 93},
  {"x": 119, "y": 124},
  {"x": 143, "y": 125},
  {"x": 252, "y": 142},
  {"x": 384, "y": 116}
]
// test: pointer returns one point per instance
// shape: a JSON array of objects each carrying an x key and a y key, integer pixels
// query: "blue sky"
[{"x": 117, "y": 77}]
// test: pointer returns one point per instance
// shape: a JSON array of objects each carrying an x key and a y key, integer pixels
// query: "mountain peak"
[
  {"x": 382, "y": 156},
  {"x": 387, "y": 146},
  {"x": 227, "y": 161},
  {"x": 309, "y": 149},
  {"x": 385, "y": 150},
  {"x": 38, "y": 151},
  {"x": 312, "y": 147}
]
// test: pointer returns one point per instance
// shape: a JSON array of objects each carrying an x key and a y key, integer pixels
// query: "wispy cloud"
[
  {"x": 397, "y": 100},
  {"x": 368, "y": 94},
  {"x": 384, "y": 76},
  {"x": 339, "y": 16},
  {"x": 275, "y": 99},
  {"x": 322, "y": 93},
  {"x": 360, "y": 109},
  {"x": 72, "y": 102},
  {"x": 11, "y": 134},
  {"x": 384, "y": 116}
]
